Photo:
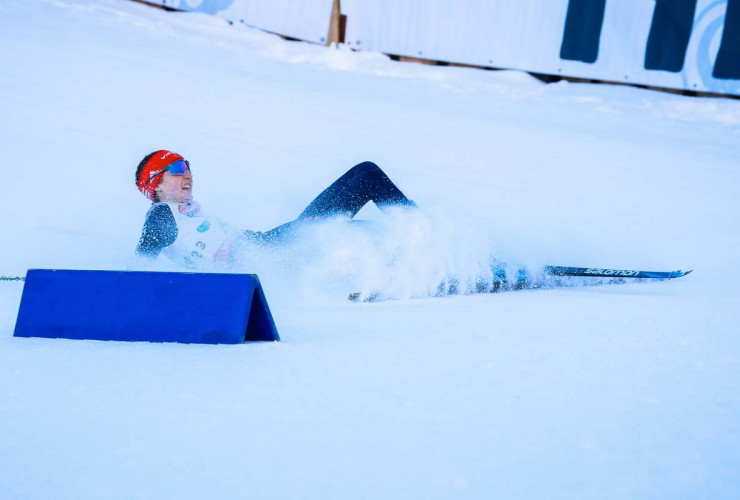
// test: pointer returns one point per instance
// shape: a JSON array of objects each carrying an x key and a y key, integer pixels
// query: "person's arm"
[{"x": 160, "y": 231}]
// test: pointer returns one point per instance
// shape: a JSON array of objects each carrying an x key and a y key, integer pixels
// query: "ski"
[
  {"x": 549, "y": 277},
  {"x": 598, "y": 272}
]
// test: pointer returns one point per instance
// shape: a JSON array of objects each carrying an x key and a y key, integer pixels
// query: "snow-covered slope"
[{"x": 625, "y": 391}]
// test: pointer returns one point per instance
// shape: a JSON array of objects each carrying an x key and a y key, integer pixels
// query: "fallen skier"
[{"x": 177, "y": 227}]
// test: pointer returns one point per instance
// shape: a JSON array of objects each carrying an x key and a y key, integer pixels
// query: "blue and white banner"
[{"x": 682, "y": 44}]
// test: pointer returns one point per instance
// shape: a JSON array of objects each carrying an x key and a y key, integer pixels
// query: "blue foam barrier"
[{"x": 202, "y": 308}]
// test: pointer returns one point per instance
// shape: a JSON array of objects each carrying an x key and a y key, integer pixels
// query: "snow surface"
[{"x": 628, "y": 391}]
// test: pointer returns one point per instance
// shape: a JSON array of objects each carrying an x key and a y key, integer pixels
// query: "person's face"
[{"x": 175, "y": 188}]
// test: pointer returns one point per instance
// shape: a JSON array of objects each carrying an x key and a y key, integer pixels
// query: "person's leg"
[{"x": 348, "y": 194}]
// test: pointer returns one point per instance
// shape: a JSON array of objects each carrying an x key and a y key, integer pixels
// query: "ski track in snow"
[{"x": 624, "y": 391}]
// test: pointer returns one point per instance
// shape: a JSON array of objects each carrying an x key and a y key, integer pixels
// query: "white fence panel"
[{"x": 303, "y": 19}]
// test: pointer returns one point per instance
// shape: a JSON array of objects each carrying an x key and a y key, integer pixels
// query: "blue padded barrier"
[{"x": 199, "y": 308}]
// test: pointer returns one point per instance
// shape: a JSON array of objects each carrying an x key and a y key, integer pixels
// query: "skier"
[{"x": 176, "y": 226}]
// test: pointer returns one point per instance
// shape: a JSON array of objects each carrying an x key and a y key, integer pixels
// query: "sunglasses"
[{"x": 178, "y": 167}]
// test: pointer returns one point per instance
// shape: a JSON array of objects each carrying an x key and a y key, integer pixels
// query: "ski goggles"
[{"x": 179, "y": 167}]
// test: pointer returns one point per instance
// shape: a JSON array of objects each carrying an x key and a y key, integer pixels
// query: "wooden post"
[{"x": 337, "y": 25}]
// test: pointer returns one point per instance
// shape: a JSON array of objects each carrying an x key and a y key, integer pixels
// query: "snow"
[{"x": 627, "y": 391}]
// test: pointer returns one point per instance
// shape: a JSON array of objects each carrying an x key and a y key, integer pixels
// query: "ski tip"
[{"x": 679, "y": 274}]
